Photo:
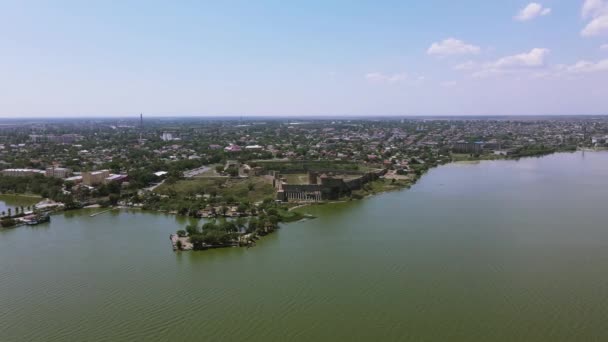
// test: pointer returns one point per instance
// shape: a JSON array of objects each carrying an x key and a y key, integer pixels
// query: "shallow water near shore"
[{"x": 492, "y": 251}]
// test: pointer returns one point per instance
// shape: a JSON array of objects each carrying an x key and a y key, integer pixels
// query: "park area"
[{"x": 242, "y": 190}]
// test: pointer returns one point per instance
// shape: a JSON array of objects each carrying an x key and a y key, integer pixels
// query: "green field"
[
  {"x": 312, "y": 165},
  {"x": 296, "y": 178},
  {"x": 242, "y": 190}
]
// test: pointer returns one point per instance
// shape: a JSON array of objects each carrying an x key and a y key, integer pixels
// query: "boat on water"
[{"x": 37, "y": 219}]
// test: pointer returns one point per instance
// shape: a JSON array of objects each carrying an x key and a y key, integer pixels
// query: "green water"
[{"x": 496, "y": 251}]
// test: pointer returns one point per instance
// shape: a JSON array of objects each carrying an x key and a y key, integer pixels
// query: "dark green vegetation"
[
  {"x": 46, "y": 187},
  {"x": 223, "y": 233},
  {"x": 240, "y": 231},
  {"x": 520, "y": 152},
  {"x": 188, "y": 196},
  {"x": 540, "y": 150},
  {"x": 38, "y": 184},
  {"x": 15, "y": 206},
  {"x": 382, "y": 185},
  {"x": 309, "y": 165},
  {"x": 459, "y": 157},
  {"x": 7, "y": 222}
]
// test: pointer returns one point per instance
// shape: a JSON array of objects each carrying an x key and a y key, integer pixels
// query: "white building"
[
  {"x": 22, "y": 172},
  {"x": 58, "y": 172}
]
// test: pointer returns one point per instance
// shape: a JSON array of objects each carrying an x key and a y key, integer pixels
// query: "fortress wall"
[{"x": 329, "y": 188}]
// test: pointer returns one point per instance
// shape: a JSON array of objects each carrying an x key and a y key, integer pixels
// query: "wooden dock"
[{"x": 101, "y": 212}]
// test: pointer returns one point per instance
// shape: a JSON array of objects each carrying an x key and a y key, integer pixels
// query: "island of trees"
[{"x": 229, "y": 232}]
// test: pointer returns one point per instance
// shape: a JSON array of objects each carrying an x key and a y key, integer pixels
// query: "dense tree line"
[
  {"x": 226, "y": 232},
  {"x": 37, "y": 184},
  {"x": 47, "y": 187}
]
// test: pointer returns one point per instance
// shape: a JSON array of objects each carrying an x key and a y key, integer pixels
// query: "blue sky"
[{"x": 511, "y": 57}]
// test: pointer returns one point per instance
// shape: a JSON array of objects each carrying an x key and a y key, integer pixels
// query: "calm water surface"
[{"x": 496, "y": 251}]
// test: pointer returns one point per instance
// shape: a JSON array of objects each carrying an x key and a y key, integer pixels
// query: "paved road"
[{"x": 195, "y": 172}]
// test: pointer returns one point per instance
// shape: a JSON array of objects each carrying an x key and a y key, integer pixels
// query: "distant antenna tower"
[{"x": 141, "y": 127}]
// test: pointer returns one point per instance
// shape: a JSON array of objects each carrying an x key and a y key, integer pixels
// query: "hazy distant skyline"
[{"x": 72, "y": 58}]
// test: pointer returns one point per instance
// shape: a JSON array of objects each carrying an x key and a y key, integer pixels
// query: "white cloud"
[
  {"x": 578, "y": 69},
  {"x": 531, "y": 11},
  {"x": 534, "y": 59},
  {"x": 587, "y": 67},
  {"x": 596, "y": 27},
  {"x": 452, "y": 46},
  {"x": 448, "y": 84},
  {"x": 378, "y": 77},
  {"x": 469, "y": 65},
  {"x": 594, "y": 8},
  {"x": 597, "y": 11},
  {"x": 604, "y": 47}
]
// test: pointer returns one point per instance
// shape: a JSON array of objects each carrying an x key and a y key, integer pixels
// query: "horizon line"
[{"x": 268, "y": 116}]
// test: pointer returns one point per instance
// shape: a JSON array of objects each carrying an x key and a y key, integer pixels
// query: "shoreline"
[
  {"x": 417, "y": 178},
  {"x": 395, "y": 185}
]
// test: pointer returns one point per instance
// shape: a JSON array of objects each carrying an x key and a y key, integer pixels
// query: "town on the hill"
[{"x": 248, "y": 175}]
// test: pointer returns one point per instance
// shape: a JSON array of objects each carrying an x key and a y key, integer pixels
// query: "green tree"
[
  {"x": 7, "y": 222},
  {"x": 192, "y": 229},
  {"x": 228, "y": 226},
  {"x": 273, "y": 219},
  {"x": 113, "y": 199},
  {"x": 253, "y": 225},
  {"x": 240, "y": 222},
  {"x": 209, "y": 226}
]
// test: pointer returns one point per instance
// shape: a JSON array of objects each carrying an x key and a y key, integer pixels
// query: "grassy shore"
[
  {"x": 12, "y": 200},
  {"x": 463, "y": 157}
]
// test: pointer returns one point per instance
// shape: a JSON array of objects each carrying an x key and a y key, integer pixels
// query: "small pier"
[{"x": 101, "y": 212}]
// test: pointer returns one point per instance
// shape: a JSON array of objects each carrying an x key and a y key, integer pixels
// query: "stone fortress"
[{"x": 315, "y": 186}]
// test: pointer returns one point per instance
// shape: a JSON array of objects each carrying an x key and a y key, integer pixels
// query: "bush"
[
  {"x": 8, "y": 222},
  {"x": 192, "y": 229},
  {"x": 356, "y": 196}
]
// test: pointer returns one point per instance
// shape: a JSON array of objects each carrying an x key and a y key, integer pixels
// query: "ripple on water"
[{"x": 449, "y": 262}]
